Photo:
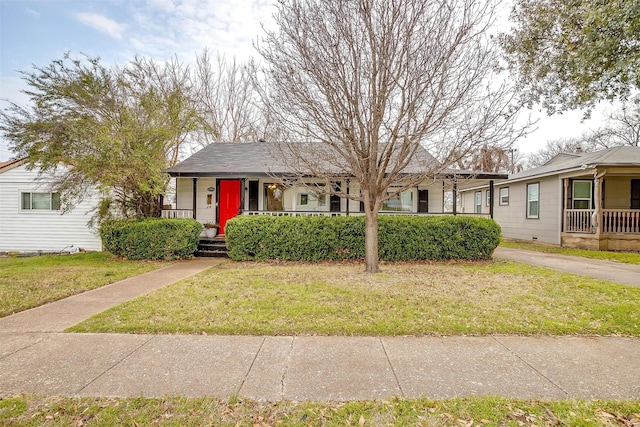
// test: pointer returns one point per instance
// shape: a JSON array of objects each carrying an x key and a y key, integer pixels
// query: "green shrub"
[
  {"x": 400, "y": 238},
  {"x": 151, "y": 238}
]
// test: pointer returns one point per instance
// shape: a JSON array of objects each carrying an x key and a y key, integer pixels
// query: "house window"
[
  {"x": 533, "y": 200},
  {"x": 477, "y": 205},
  {"x": 40, "y": 201},
  {"x": 635, "y": 194},
  {"x": 504, "y": 196},
  {"x": 273, "y": 197},
  {"x": 402, "y": 202},
  {"x": 303, "y": 199},
  {"x": 447, "y": 202},
  {"x": 582, "y": 191},
  {"x": 488, "y": 198}
]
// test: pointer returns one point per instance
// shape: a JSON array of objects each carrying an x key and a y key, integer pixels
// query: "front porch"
[
  {"x": 217, "y": 199},
  {"x": 188, "y": 213},
  {"x": 602, "y": 213},
  {"x": 612, "y": 230}
]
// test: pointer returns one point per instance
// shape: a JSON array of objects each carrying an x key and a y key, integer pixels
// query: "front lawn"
[
  {"x": 405, "y": 299},
  {"x": 627, "y": 257},
  {"x": 30, "y": 282},
  {"x": 475, "y": 411}
]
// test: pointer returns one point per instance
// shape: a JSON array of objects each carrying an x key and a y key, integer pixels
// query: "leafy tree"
[
  {"x": 570, "y": 54},
  {"x": 365, "y": 84},
  {"x": 114, "y": 129}
]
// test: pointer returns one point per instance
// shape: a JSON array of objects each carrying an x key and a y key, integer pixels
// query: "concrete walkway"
[
  {"x": 618, "y": 272},
  {"x": 59, "y": 315},
  {"x": 35, "y": 357}
]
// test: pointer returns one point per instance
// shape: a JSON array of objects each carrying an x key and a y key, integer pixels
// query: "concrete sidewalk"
[
  {"x": 319, "y": 368},
  {"x": 618, "y": 272},
  {"x": 36, "y": 358}
]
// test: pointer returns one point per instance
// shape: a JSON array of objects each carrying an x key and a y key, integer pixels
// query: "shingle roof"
[
  {"x": 616, "y": 156},
  {"x": 252, "y": 159}
]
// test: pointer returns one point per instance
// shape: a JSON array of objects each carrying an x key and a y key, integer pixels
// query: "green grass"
[
  {"x": 405, "y": 299},
  {"x": 30, "y": 282},
  {"x": 481, "y": 411},
  {"x": 626, "y": 257}
]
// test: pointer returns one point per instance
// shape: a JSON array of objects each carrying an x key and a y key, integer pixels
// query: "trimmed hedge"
[
  {"x": 151, "y": 238},
  {"x": 400, "y": 238}
]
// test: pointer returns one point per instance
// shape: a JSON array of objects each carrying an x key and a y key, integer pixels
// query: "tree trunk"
[{"x": 371, "y": 242}]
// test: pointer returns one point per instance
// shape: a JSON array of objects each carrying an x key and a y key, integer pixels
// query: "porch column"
[
  {"x": 597, "y": 205},
  {"x": 491, "y": 191},
  {"x": 348, "y": 183},
  {"x": 455, "y": 196},
  {"x": 195, "y": 195},
  {"x": 565, "y": 204}
]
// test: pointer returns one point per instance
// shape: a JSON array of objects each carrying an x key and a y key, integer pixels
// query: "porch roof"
[
  {"x": 260, "y": 159},
  {"x": 616, "y": 156}
]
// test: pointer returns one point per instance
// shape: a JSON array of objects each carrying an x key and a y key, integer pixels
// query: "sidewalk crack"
[
  {"x": 393, "y": 371},
  {"x": 115, "y": 364},
  {"x": 246, "y": 376},
  {"x": 29, "y": 345},
  {"x": 523, "y": 360},
  {"x": 286, "y": 368}
]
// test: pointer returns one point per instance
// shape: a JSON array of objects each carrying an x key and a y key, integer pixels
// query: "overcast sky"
[{"x": 39, "y": 31}]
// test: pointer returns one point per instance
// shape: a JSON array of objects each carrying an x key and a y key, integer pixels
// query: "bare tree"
[
  {"x": 492, "y": 159},
  {"x": 553, "y": 148},
  {"x": 228, "y": 102},
  {"x": 622, "y": 128},
  {"x": 370, "y": 83}
]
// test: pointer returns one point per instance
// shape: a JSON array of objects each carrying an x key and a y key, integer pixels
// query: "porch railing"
[
  {"x": 579, "y": 221},
  {"x": 295, "y": 213},
  {"x": 620, "y": 221},
  {"x": 351, "y": 213},
  {"x": 177, "y": 213},
  {"x": 612, "y": 221}
]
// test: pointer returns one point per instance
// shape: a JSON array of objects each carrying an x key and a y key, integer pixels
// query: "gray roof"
[
  {"x": 221, "y": 159},
  {"x": 252, "y": 159},
  {"x": 616, "y": 156},
  {"x": 255, "y": 159}
]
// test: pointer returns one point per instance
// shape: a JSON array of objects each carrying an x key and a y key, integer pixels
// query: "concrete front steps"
[{"x": 214, "y": 247}]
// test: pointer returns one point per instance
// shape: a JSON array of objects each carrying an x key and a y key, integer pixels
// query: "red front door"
[{"x": 228, "y": 201}]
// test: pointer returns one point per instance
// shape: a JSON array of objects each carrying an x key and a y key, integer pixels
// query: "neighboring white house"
[
  {"x": 589, "y": 201},
  {"x": 31, "y": 219}
]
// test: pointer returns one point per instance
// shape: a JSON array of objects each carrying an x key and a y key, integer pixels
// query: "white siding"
[
  {"x": 41, "y": 230},
  {"x": 184, "y": 197},
  {"x": 184, "y": 193}
]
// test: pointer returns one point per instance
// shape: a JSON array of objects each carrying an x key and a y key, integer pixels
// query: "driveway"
[{"x": 618, "y": 272}]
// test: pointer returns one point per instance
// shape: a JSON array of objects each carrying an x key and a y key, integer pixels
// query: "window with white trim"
[
  {"x": 40, "y": 201},
  {"x": 533, "y": 200},
  {"x": 581, "y": 191},
  {"x": 477, "y": 205},
  {"x": 504, "y": 196},
  {"x": 401, "y": 202}
]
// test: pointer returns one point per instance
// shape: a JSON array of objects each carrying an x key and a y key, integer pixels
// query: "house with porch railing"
[
  {"x": 224, "y": 180},
  {"x": 589, "y": 200}
]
